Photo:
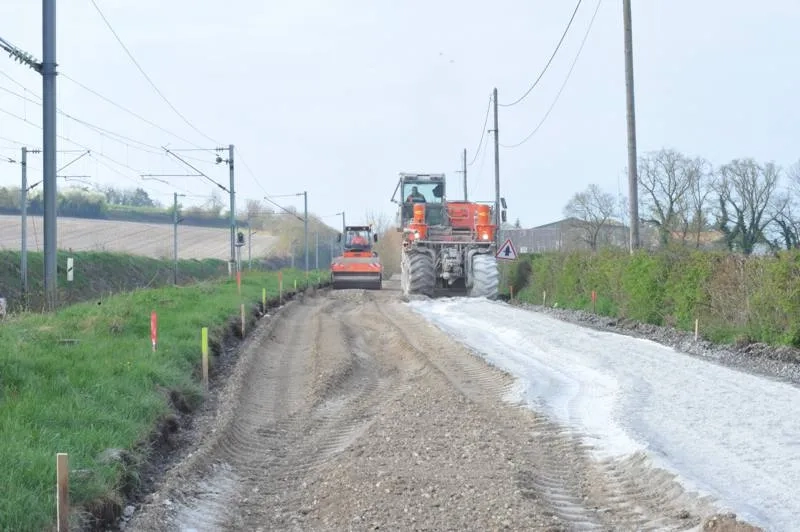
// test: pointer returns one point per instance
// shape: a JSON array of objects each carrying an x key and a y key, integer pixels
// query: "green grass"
[
  {"x": 97, "y": 274},
  {"x": 106, "y": 390}
]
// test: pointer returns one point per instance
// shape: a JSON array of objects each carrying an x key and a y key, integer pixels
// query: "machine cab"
[
  {"x": 421, "y": 188},
  {"x": 358, "y": 239}
]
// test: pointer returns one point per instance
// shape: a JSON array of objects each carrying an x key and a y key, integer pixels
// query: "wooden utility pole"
[{"x": 633, "y": 179}]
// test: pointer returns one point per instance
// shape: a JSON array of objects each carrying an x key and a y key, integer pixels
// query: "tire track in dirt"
[
  {"x": 305, "y": 396},
  {"x": 586, "y": 494}
]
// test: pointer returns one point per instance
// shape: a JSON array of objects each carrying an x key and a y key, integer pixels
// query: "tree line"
[
  {"x": 112, "y": 203},
  {"x": 738, "y": 206}
]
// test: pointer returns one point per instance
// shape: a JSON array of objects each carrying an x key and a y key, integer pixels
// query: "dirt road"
[{"x": 347, "y": 411}]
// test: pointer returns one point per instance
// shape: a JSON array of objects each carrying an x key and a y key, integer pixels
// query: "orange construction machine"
[
  {"x": 359, "y": 266},
  {"x": 448, "y": 246}
]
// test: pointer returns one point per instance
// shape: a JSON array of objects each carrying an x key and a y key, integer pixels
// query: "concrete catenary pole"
[
  {"x": 496, "y": 168},
  {"x": 233, "y": 209},
  {"x": 49, "y": 148},
  {"x": 175, "y": 235},
  {"x": 633, "y": 180},
  {"x": 23, "y": 203}
]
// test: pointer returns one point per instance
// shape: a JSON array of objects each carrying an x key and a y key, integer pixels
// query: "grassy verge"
[
  {"x": 735, "y": 298},
  {"x": 97, "y": 274},
  {"x": 85, "y": 380}
]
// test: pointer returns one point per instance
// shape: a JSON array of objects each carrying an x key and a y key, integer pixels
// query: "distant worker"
[
  {"x": 415, "y": 196},
  {"x": 358, "y": 240}
]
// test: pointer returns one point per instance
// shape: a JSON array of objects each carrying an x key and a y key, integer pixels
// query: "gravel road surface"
[{"x": 348, "y": 411}]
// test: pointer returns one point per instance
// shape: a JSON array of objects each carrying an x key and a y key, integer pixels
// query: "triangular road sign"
[{"x": 507, "y": 251}]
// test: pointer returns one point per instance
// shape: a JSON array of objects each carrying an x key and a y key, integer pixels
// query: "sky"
[{"x": 337, "y": 98}]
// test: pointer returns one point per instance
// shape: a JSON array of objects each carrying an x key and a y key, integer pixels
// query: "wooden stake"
[
  {"x": 242, "y": 320},
  {"x": 511, "y": 291},
  {"x": 204, "y": 351},
  {"x": 696, "y": 328},
  {"x": 264, "y": 300},
  {"x": 62, "y": 491},
  {"x": 544, "y": 298},
  {"x": 594, "y": 301}
]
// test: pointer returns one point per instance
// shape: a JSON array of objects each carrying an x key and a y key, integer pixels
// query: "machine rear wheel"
[
  {"x": 485, "y": 277},
  {"x": 417, "y": 275}
]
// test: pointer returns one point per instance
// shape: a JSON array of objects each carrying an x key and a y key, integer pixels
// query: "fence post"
[
  {"x": 62, "y": 491},
  {"x": 204, "y": 352}
]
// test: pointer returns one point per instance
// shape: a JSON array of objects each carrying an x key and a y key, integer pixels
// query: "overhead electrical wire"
[
  {"x": 123, "y": 108},
  {"x": 563, "y": 35},
  {"x": 564, "y": 84},
  {"x": 141, "y": 70},
  {"x": 284, "y": 209},
  {"x": 142, "y": 146},
  {"x": 483, "y": 131},
  {"x": 111, "y": 135}
]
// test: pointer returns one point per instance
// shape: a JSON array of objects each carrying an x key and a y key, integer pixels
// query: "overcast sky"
[{"x": 337, "y": 97}]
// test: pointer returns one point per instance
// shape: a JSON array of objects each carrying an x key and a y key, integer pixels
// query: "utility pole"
[
  {"x": 305, "y": 225},
  {"x": 49, "y": 147},
  {"x": 23, "y": 201},
  {"x": 249, "y": 245},
  {"x": 344, "y": 225},
  {"x": 496, "y": 169},
  {"x": 175, "y": 221},
  {"x": 465, "y": 172},
  {"x": 233, "y": 207},
  {"x": 633, "y": 179}
]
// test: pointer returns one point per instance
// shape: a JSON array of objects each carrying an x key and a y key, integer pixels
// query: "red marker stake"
[{"x": 154, "y": 329}]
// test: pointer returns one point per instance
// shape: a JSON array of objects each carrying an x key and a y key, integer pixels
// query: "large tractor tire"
[
  {"x": 417, "y": 275},
  {"x": 485, "y": 277}
]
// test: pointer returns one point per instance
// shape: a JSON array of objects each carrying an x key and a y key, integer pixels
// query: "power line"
[
  {"x": 100, "y": 130},
  {"x": 199, "y": 173},
  {"x": 108, "y": 100},
  {"x": 122, "y": 44},
  {"x": 85, "y": 147},
  {"x": 574, "y": 12},
  {"x": 564, "y": 84},
  {"x": 483, "y": 131},
  {"x": 480, "y": 168},
  {"x": 123, "y": 108},
  {"x": 284, "y": 209},
  {"x": 249, "y": 170},
  {"x": 12, "y": 141}
]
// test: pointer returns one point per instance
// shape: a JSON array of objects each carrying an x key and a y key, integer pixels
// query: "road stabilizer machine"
[
  {"x": 448, "y": 246},
  {"x": 359, "y": 266}
]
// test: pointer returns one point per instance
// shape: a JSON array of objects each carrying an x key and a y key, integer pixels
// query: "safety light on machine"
[
  {"x": 416, "y": 234},
  {"x": 485, "y": 236}
]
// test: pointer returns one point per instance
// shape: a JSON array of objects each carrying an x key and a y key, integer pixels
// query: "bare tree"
[
  {"x": 594, "y": 208},
  {"x": 787, "y": 211},
  {"x": 787, "y": 222},
  {"x": 703, "y": 181},
  {"x": 389, "y": 241},
  {"x": 666, "y": 176},
  {"x": 379, "y": 220},
  {"x": 747, "y": 202}
]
